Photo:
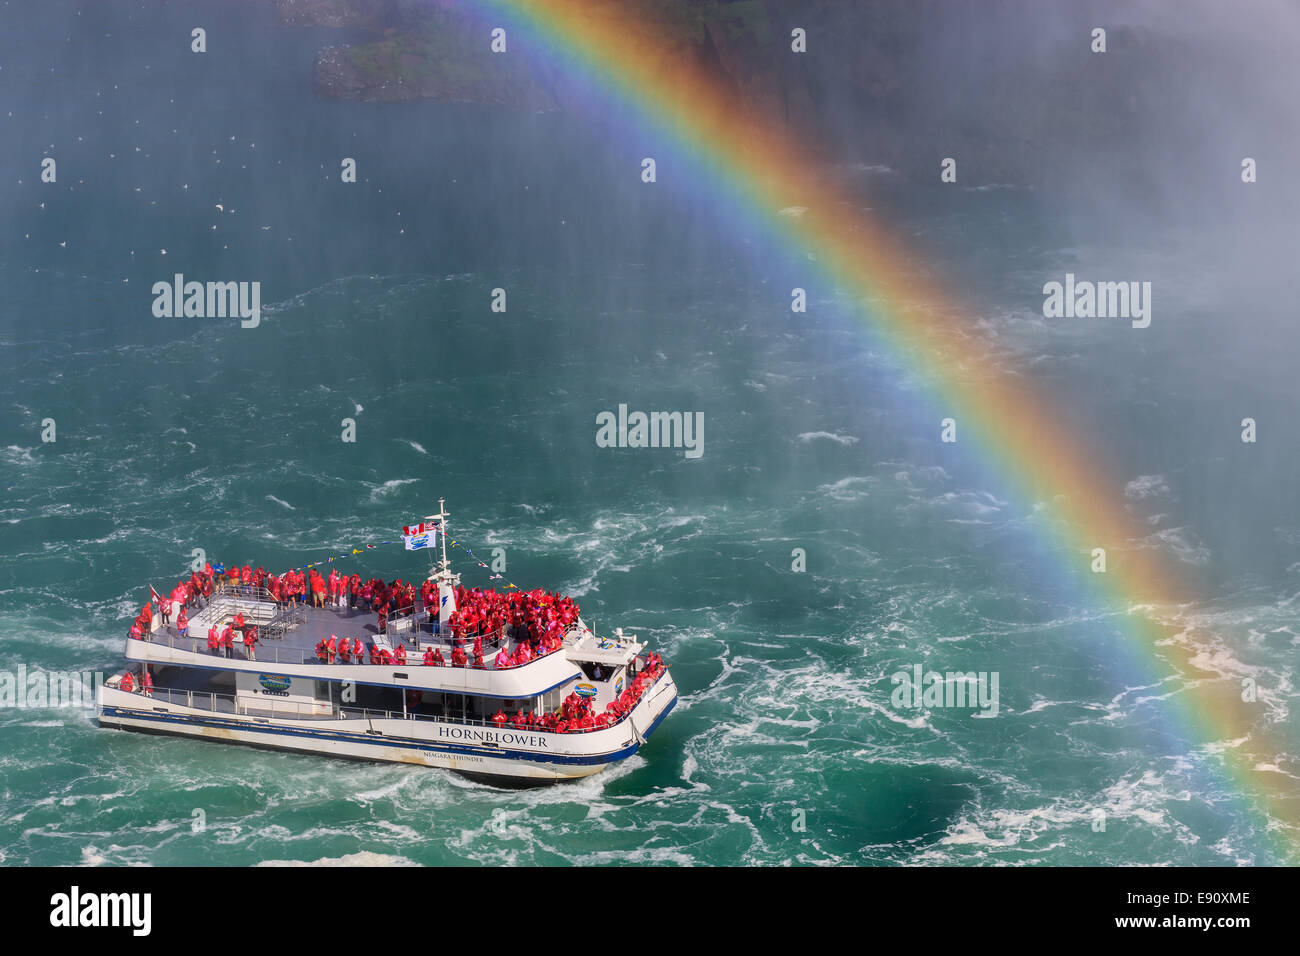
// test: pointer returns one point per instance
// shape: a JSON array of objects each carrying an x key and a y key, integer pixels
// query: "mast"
[{"x": 441, "y": 572}]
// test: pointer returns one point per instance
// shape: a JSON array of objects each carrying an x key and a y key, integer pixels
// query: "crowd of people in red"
[
  {"x": 344, "y": 650},
  {"x": 538, "y": 620},
  {"x": 576, "y": 714},
  {"x": 223, "y": 642}
]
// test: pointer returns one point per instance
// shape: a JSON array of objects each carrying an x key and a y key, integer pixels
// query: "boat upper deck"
[
  {"x": 288, "y": 635},
  {"x": 288, "y": 632}
]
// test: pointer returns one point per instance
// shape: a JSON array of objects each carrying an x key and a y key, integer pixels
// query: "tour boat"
[{"x": 497, "y": 723}]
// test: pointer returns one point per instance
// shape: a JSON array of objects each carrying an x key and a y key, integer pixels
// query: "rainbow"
[{"x": 760, "y": 170}]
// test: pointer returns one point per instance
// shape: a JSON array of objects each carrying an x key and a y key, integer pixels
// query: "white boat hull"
[{"x": 523, "y": 755}]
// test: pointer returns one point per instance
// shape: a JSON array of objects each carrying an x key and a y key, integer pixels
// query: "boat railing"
[
  {"x": 261, "y": 654},
  {"x": 230, "y": 704},
  {"x": 254, "y": 592},
  {"x": 272, "y": 654},
  {"x": 429, "y": 631}
]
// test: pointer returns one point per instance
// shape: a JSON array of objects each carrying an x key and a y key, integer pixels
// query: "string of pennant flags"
[{"x": 421, "y": 536}]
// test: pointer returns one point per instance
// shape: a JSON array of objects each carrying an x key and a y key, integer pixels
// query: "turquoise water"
[{"x": 194, "y": 433}]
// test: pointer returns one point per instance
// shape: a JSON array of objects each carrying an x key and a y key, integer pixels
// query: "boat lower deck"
[
  {"x": 216, "y": 691},
  {"x": 448, "y": 740}
]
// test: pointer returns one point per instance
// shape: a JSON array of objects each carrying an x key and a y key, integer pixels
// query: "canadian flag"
[
  {"x": 154, "y": 594},
  {"x": 416, "y": 528}
]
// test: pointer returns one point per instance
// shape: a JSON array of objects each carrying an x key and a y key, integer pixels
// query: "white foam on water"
[
  {"x": 360, "y": 858},
  {"x": 378, "y": 492},
  {"x": 90, "y": 856},
  {"x": 848, "y": 489},
  {"x": 807, "y": 437},
  {"x": 1146, "y": 486},
  {"x": 1182, "y": 543},
  {"x": 1141, "y": 797}
]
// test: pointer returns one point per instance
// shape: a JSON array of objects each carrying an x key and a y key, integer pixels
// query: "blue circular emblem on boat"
[
  {"x": 273, "y": 681},
  {"x": 585, "y": 690}
]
